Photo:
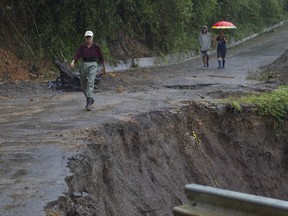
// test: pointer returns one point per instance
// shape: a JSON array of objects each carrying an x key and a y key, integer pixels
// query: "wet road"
[{"x": 40, "y": 132}]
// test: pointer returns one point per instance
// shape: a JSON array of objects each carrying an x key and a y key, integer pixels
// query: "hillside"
[{"x": 126, "y": 29}]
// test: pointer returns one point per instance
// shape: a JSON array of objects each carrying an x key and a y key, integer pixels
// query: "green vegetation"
[
  {"x": 261, "y": 75},
  {"x": 44, "y": 28},
  {"x": 271, "y": 105},
  {"x": 236, "y": 106}
]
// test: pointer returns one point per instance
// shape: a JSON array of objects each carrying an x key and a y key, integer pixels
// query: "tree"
[{"x": 164, "y": 26}]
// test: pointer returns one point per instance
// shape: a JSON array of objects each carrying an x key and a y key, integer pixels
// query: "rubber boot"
[
  {"x": 219, "y": 63},
  {"x": 223, "y": 64},
  {"x": 89, "y": 101}
]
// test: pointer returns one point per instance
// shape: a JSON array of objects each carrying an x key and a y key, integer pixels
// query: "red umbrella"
[{"x": 223, "y": 25}]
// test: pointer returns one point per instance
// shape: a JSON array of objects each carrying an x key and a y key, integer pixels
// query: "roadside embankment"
[{"x": 139, "y": 166}]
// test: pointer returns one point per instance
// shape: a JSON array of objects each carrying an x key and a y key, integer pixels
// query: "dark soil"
[
  {"x": 139, "y": 166},
  {"x": 11, "y": 68},
  {"x": 125, "y": 48},
  {"x": 278, "y": 69}
]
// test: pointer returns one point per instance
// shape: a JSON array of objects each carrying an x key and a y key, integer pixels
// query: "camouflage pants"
[{"x": 87, "y": 77}]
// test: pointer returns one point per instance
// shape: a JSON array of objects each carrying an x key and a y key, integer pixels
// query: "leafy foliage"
[
  {"x": 271, "y": 105},
  {"x": 164, "y": 26}
]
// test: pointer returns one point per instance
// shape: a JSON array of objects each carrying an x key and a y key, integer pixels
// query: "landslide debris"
[
  {"x": 139, "y": 166},
  {"x": 278, "y": 69},
  {"x": 11, "y": 68}
]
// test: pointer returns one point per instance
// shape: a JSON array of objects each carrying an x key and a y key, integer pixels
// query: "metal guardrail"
[{"x": 209, "y": 201}]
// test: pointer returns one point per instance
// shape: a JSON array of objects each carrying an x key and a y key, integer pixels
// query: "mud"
[
  {"x": 152, "y": 131},
  {"x": 138, "y": 166}
]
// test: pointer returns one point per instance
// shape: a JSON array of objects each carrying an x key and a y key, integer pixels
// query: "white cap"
[{"x": 88, "y": 33}]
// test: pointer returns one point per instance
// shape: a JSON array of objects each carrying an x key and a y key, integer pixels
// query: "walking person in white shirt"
[{"x": 205, "y": 45}]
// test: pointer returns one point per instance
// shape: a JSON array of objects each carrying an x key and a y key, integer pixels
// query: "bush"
[{"x": 271, "y": 105}]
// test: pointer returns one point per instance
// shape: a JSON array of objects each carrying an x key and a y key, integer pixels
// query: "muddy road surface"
[{"x": 46, "y": 136}]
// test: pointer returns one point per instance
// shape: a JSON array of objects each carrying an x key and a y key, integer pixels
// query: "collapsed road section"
[{"x": 139, "y": 165}]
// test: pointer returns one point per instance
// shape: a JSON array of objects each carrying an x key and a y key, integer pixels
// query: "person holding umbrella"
[
  {"x": 221, "y": 41},
  {"x": 205, "y": 44},
  {"x": 90, "y": 53}
]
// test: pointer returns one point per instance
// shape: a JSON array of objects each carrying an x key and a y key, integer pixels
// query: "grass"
[
  {"x": 271, "y": 105},
  {"x": 260, "y": 75}
]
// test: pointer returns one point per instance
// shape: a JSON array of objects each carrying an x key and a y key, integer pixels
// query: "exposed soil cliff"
[{"x": 139, "y": 166}]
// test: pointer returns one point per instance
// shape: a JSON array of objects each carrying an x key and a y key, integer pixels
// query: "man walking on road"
[
  {"x": 205, "y": 45},
  {"x": 91, "y": 54}
]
